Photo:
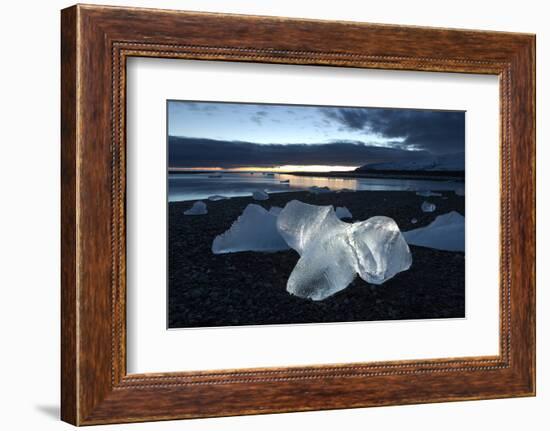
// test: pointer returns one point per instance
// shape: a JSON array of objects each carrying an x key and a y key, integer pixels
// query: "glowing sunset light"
[{"x": 210, "y": 168}]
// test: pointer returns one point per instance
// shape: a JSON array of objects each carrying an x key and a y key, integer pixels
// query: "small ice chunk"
[
  {"x": 342, "y": 212},
  {"x": 215, "y": 198},
  {"x": 260, "y": 195},
  {"x": 427, "y": 207},
  {"x": 427, "y": 193},
  {"x": 414, "y": 221},
  {"x": 198, "y": 208},
  {"x": 333, "y": 252},
  {"x": 254, "y": 230},
  {"x": 446, "y": 232},
  {"x": 459, "y": 191},
  {"x": 317, "y": 190}
]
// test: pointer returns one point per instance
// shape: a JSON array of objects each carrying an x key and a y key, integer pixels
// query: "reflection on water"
[
  {"x": 332, "y": 183},
  {"x": 185, "y": 187}
]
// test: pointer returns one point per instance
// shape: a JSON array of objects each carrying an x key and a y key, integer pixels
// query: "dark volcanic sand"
[{"x": 249, "y": 288}]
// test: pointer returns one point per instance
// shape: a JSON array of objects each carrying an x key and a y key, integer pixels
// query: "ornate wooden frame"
[{"x": 95, "y": 42}]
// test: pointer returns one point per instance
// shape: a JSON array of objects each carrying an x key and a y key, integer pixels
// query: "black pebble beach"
[{"x": 249, "y": 288}]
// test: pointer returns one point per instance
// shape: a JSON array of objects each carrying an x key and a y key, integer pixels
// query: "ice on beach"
[
  {"x": 317, "y": 190},
  {"x": 299, "y": 223},
  {"x": 254, "y": 230},
  {"x": 427, "y": 194},
  {"x": 333, "y": 252},
  {"x": 260, "y": 195},
  {"x": 427, "y": 207},
  {"x": 215, "y": 198},
  {"x": 275, "y": 210},
  {"x": 198, "y": 208},
  {"x": 414, "y": 221},
  {"x": 446, "y": 232},
  {"x": 381, "y": 250},
  {"x": 342, "y": 212}
]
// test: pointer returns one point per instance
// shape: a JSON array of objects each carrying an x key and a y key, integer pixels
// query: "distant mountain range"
[{"x": 449, "y": 162}]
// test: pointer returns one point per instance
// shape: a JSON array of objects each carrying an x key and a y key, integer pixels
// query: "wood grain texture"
[
  {"x": 96, "y": 41},
  {"x": 69, "y": 397}
]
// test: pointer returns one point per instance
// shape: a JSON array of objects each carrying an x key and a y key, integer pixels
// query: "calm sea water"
[{"x": 185, "y": 187}]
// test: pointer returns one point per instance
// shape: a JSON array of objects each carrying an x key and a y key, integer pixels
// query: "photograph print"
[{"x": 297, "y": 214}]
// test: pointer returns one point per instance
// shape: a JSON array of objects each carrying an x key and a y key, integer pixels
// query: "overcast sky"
[{"x": 236, "y": 135}]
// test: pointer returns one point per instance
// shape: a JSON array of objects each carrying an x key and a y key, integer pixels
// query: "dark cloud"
[
  {"x": 438, "y": 132},
  {"x": 197, "y": 152},
  {"x": 207, "y": 108},
  {"x": 258, "y": 117}
]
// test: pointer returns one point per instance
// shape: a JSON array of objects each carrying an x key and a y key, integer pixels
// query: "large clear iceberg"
[
  {"x": 333, "y": 252},
  {"x": 446, "y": 232},
  {"x": 198, "y": 208},
  {"x": 254, "y": 230}
]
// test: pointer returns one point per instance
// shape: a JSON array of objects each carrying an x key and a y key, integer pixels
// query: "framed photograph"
[{"x": 263, "y": 214}]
